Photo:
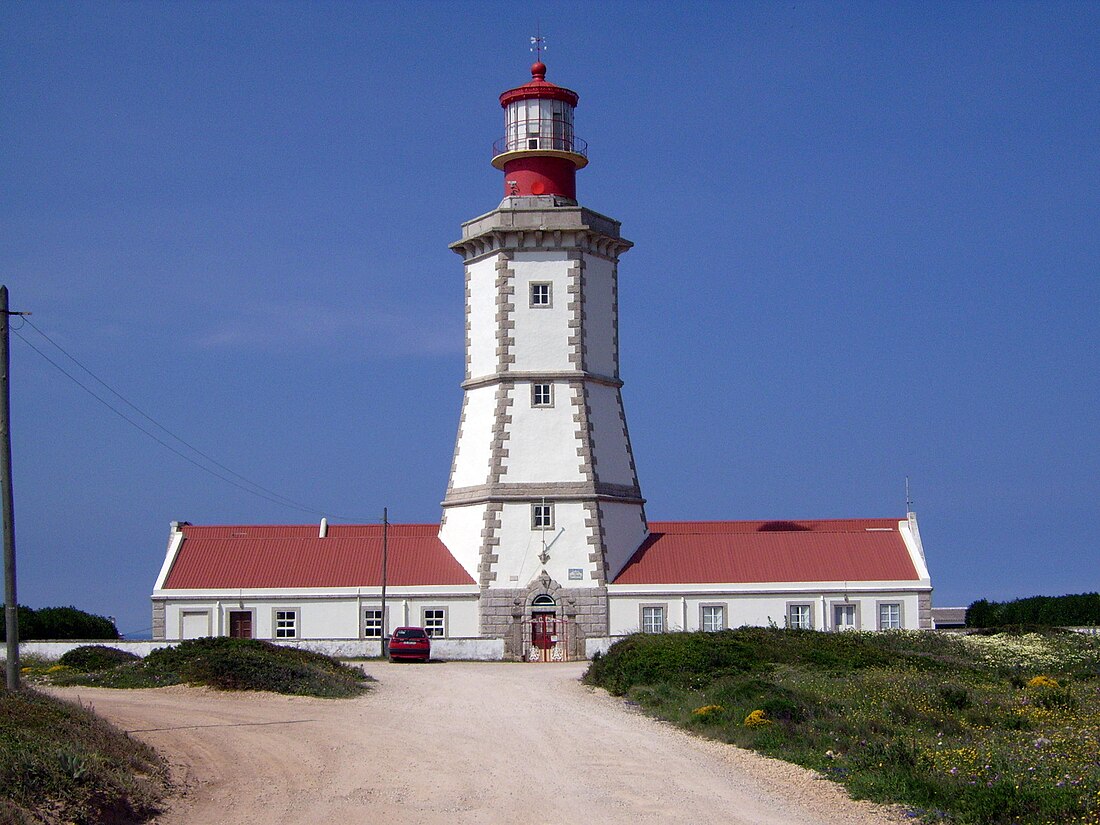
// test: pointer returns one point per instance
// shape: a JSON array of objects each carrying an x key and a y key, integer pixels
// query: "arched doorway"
[{"x": 547, "y": 633}]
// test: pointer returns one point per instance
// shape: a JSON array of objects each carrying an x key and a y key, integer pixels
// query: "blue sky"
[{"x": 866, "y": 248}]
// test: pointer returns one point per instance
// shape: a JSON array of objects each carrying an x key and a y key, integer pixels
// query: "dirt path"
[{"x": 458, "y": 742}]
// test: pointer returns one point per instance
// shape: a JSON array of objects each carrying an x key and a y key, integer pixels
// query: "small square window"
[
  {"x": 799, "y": 616},
  {"x": 542, "y": 395},
  {"x": 286, "y": 624},
  {"x": 435, "y": 622},
  {"x": 542, "y": 516},
  {"x": 889, "y": 617},
  {"x": 541, "y": 295},
  {"x": 653, "y": 619},
  {"x": 713, "y": 617},
  {"x": 844, "y": 617},
  {"x": 372, "y": 623}
]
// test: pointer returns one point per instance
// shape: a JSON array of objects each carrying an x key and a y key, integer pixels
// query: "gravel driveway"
[{"x": 457, "y": 742}]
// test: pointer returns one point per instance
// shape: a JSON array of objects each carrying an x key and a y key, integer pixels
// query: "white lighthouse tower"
[{"x": 543, "y": 506}]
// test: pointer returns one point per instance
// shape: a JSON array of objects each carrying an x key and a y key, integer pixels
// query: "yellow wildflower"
[{"x": 756, "y": 719}]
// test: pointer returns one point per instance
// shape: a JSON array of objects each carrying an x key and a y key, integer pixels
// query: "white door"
[{"x": 194, "y": 624}]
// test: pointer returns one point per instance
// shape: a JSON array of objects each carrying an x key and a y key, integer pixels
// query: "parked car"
[{"x": 410, "y": 643}]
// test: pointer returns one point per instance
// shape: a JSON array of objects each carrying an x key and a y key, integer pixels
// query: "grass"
[
  {"x": 958, "y": 728},
  {"x": 61, "y": 763},
  {"x": 218, "y": 662}
]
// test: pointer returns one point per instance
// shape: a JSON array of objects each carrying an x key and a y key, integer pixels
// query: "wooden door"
[
  {"x": 543, "y": 630},
  {"x": 240, "y": 624}
]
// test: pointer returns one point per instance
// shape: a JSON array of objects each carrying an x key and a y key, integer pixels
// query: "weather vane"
[{"x": 538, "y": 44}]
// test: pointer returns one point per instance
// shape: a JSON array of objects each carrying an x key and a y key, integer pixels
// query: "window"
[
  {"x": 542, "y": 516},
  {"x": 653, "y": 619},
  {"x": 844, "y": 617},
  {"x": 435, "y": 621},
  {"x": 800, "y": 616},
  {"x": 542, "y": 395},
  {"x": 713, "y": 617},
  {"x": 889, "y": 617},
  {"x": 372, "y": 623},
  {"x": 286, "y": 624},
  {"x": 541, "y": 295}
]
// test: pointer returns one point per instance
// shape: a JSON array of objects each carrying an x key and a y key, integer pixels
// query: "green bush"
[
  {"x": 60, "y": 623},
  {"x": 96, "y": 657},
  {"x": 1075, "y": 610},
  {"x": 984, "y": 729},
  {"x": 251, "y": 664}
]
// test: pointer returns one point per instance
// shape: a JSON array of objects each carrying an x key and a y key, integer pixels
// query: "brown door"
[{"x": 240, "y": 624}]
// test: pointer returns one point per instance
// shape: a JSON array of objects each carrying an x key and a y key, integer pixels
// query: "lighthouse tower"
[{"x": 543, "y": 506}]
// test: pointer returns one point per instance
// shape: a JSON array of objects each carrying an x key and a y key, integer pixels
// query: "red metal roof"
[
  {"x": 706, "y": 552},
  {"x": 267, "y": 556}
]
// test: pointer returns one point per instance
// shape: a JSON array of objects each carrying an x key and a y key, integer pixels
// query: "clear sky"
[{"x": 867, "y": 246}]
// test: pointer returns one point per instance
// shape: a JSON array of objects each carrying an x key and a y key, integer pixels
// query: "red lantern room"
[{"x": 539, "y": 154}]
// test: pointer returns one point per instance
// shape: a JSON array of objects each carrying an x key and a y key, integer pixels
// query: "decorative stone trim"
[
  {"x": 490, "y": 542},
  {"x": 515, "y": 376},
  {"x": 626, "y": 439},
  {"x": 533, "y": 490},
  {"x": 469, "y": 340},
  {"x": 540, "y": 225},
  {"x": 505, "y": 287},
  {"x": 501, "y": 420},
  {"x": 615, "y": 319},
  {"x": 575, "y": 307},
  {"x": 924, "y": 610},
  {"x": 159, "y": 626},
  {"x": 597, "y": 540},
  {"x": 582, "y": 417},
  {"x": 458, "y": 444}
]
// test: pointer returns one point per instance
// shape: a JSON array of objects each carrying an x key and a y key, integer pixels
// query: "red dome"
[{"x": 539, "y": 87}]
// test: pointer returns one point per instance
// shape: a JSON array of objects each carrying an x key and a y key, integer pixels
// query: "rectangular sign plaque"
[{"x": 575, "y": 574}]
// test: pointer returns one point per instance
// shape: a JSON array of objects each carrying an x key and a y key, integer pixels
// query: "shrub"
[
  {"x": 1042, "y": 682},
  {"x": 929, "y": 720},
  {"x": 250, "y": 664},
  {"x": 1050, "y": 611},
  {"x": 756, "y": 719},
  {"x": 62, "y": 763},
  {"x": 96, "y": 657},
  {"x": 60, "y": 623}
]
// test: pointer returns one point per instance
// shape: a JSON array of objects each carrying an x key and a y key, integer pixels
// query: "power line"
[
  {"x": 157, "y": 424},
  {"x": 260, "y": 491}
]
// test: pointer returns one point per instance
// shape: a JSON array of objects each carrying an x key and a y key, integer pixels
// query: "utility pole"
[
  {"x": 11, "y": 603},
  {"x": 385, "y": 560}
]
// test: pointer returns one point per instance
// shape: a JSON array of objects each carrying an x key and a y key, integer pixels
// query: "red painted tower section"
[{"x": 539, "y": 153}]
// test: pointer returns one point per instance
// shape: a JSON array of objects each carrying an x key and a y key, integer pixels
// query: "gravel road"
[{"x": 457, "y": 742}]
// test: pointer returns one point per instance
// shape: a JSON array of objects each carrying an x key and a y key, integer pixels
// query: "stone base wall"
[{"x": 504, "y": 611}]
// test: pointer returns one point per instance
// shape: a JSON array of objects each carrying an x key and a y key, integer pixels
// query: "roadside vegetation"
[
  {"x": 60, "y": 763},
  {"x": 60, "y": 623},
  {"x": 1075, "y": 610},
  {"x": 217, "y": 662},
  {"x": 994, "y": 728}
]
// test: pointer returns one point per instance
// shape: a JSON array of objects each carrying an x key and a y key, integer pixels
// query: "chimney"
[{"x": 324, "y": 529}]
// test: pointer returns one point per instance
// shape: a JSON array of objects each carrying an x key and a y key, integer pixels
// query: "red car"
[{"x": 410, "y": 643}]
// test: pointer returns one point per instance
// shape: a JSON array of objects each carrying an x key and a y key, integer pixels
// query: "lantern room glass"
[{"x": 538, "y": 124}]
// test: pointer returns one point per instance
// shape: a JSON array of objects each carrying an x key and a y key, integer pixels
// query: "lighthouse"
[{"x": 543, "y": 507}]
